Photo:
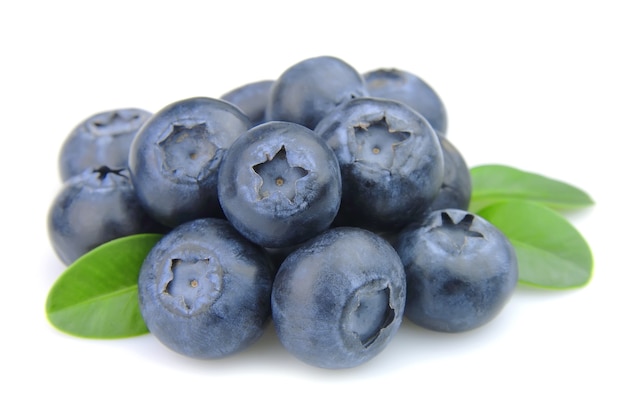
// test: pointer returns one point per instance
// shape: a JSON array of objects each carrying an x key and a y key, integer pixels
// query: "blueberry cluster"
[{"x": 328, "y": 201}]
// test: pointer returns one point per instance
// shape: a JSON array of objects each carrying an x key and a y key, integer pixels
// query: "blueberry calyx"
[
  {"x": 187, "y": 150},
  {"x": 113, "y": 123},
  {"x": 104, "y": 171},
  {"x": 189, "y": 284},
  {"x": 460, "y": 231},
  {"x": 377, "y": 142},
  {"x": 278, "y": 175},
  {"x": 368, "y": 312}
]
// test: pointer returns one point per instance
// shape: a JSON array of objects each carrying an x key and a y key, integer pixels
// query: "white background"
[{"x": 538, "y": 85}]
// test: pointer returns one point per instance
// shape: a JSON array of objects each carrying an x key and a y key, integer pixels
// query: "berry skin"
[
  {"x": 456, "y": 188},
  {"x": 460, "y": 271},
  {"x": 252, "y": 99},
  {"x": 204, "y": 290},
  {"x": 92, "y": 208},
  {"x": 411, "y": 90},
  {"x": 391, "y": 162},
  {"x": 280, "y": 184},
  {"x": 176, "y": 155},
  {"x": 101, "y": 140},
  {"x": 309, "y": 89},
  {"x": 338, "y": 299}
]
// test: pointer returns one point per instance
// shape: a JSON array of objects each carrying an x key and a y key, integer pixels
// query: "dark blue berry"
[
  {"x": 338, "y": 299},
  {"x": 204, "y": 290},
  {"x": 391, "y": 162},
  {"x": 280, "y": 184},
  {"x": 92, "y": 208},
  {"x": 460, "y": 271},
  {"x": 309, "y": 89},
  {"x": 176, "y": 155}
]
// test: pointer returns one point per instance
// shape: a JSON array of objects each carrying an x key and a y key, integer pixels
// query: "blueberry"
[
  {"x": 460, "y": 271},
  {"x": 102, "y": 139},
  {"x": 456, "y": 189},
  {"x": 252, "y": 99},
  {"x": 92, "y": 208},
  {"x": 338, "y": 299},
  {"x": 280, "y": 184},
  {"x": 391, "y": 162},
  {"x": 309, "y": 89},
  {"x": 411, "y": 90},
  {"x": 175, "y": 157},
  {"x": 205, "y": 291}
]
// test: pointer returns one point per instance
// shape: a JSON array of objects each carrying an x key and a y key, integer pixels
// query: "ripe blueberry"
[
  {"x": 204, "y": 290},
  {"x": 338, "y": 299},
  {"x": 92, "y": 208},
  {"x": 460, "y": 271},
  {"x": 280, "y": 184},
  {"x": 391, "y": 162},
  {"x": 309, "y": 89},
  {"x": 175, "y": 157}
]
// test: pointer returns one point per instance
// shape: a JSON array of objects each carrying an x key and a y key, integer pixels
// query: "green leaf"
[
  {"x": 551, "y": 253},
  {"x": 96, "y": 296},
  {"x": 492, "y": 183}
]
